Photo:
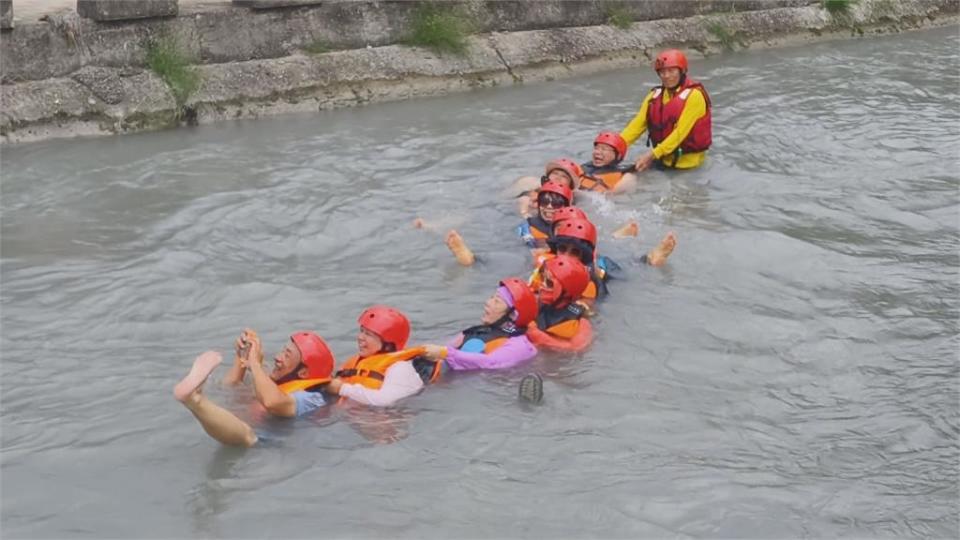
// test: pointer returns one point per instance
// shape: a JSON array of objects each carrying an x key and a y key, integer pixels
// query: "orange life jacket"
[
  {"x": 563, "y": 323},
  {"x": 297, "y": 385},
  {"x": 370, "y": 371},
  {"x": 539, "y": 229},
  {"x": 601, "y": 179},
  {"x": 493, "y": 337}
]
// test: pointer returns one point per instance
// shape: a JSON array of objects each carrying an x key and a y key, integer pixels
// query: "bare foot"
[
  {"x": 658, "y": 255},
  {"x": 203, "y": 366},
  {"x": 630, "y": 229},
  {"x": 459, "y": 248}
]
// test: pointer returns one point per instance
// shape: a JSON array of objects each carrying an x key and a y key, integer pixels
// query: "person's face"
[
  {"x": 368, "y": 343},
  {"x": 493, "y": 309},
  {"x": 670, "y": 77},
  {"x": 286, "y": 361},
  {"x": 548, "y": 203},
  {"x": 603, "y": 154},
  {"x": 560, "y": 175},
  {"x": 569, "y": 249},
  {"x": 550, "y": 289}
]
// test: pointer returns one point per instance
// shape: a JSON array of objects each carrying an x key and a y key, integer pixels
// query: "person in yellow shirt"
[{"x": 676, "y": 116}]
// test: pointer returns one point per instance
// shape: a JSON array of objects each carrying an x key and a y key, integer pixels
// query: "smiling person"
[
  {"x": 562, "y": 170},
  {"x": 536, "y": 230},
  {"x": 292, "y": 388},
  {"x": 380, "y": 374},
  {"x": 605, "y": 173},
  {"x": 561, "y": 323},
  {"x": 676, "y": 115},
  {"x": 500, "y": 340}
]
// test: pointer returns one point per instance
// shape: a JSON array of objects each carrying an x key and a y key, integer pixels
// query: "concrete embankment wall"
[{"x": 73, "y": 76}]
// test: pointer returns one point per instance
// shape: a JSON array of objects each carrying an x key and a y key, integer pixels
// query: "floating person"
[
  {"x": 676, "y": 115},
  {"x": 562, "y": 170},
  {"x": 577, "y": 237},
  {"x": 380, "y": 374},
  {"x": 552, "y": 197},
  {"x": 605, "y": 172},
  {"x": 498, "y": 342},
  {"x": 561, "y": 323},
  {"x": 292, "y": 388}
]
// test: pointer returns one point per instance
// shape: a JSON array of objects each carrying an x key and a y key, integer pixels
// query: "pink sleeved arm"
[{"x": 515, "y": 351}]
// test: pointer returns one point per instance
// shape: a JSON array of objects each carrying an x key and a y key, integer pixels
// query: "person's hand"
[
  {"x": 243, "y": 343},
  {"x": 645, "y": 161},
  {"x": 333, "y": 387},
  {"x": 434, "y": 352},
  {"x": 254, "y": 354}
]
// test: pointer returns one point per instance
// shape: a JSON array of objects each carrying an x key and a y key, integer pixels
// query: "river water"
[{"x": 792, "y": 371}]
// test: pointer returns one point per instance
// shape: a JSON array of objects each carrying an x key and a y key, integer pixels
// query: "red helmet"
[
  {"x": 566, "y": 165},
  {"x": 614, "y": 140},
  {"x": 524, "y": 301},
  {"x": 552, "y": 186},
  {"x": 390, "y": 325},
  {"x": 568, "y": 212},
  {"x": 314, "y": 354},
  {"x": 670, "y": 58},
  {"x": 577, "y": 232},
  {"x": 571, "y": 276}
]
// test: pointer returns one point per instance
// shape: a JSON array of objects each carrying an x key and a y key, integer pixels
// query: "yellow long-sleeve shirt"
[{"x": 694, "y": 109}]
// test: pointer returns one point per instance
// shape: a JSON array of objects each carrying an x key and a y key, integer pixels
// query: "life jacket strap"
[{"x": 345, "y": 373}]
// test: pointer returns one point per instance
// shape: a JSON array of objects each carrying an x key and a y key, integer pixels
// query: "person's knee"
[{"x": 249, "y": 437}]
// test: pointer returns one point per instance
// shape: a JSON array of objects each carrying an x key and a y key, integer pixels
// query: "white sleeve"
[{"x": 400, "y": 381}]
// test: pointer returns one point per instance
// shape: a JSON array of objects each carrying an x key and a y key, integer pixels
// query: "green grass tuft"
[
  {"x": 838, "y": 7},
  {"x": 170, "y": 63},
  {"x": 440, "y": 28},
  {"x": 317, "y": 47},
  {"x": 619, "y": 17},
  {"x": 728, "y": 38}
]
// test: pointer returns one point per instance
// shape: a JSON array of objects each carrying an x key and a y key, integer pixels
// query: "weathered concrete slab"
[
  {"x": 36, "y": 110},
  {"x": 122, "y": 10},
  {"x": 6, "y": 14},
  {"x": 227, "y": 34},
  {"x": 274, "y": 4},
  {"x": 108, "y": 92}
]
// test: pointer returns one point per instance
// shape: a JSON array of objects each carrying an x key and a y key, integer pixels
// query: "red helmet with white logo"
[
  {"x": 614, "y": 140},
  {"x": 670, "y": 58},
  {"x": 390, "y": 325},
  {"x": 314, "y": 354}
]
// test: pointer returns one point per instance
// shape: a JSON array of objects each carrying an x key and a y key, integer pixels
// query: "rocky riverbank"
[{"x": 70, "y": 76}]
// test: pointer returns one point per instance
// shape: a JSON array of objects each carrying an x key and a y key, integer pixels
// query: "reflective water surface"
[{"x": 792, "y": 372}]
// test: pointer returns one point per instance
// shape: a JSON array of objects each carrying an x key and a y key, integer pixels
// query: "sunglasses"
[{"x": 552, "y": 200}]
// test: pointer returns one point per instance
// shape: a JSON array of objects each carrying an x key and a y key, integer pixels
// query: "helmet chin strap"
[
  {"x": 292, "y": 376},
  {"x": 505, "y": 318}
]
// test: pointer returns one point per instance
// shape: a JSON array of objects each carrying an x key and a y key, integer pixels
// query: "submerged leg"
[
  {"x": 218, "y": 422},
  {"x": 459, "y": 248}
]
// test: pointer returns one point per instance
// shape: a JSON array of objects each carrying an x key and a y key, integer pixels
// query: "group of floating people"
[{"x": 550, "y": 310}]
